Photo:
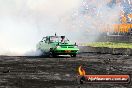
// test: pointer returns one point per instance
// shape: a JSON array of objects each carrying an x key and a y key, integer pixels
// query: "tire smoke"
[{"x": 24, "y": 22}]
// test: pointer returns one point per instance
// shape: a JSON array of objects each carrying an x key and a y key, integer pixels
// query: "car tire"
[
  {"x": 54, "y": 55},
  {"x": 74, "y": 55}
]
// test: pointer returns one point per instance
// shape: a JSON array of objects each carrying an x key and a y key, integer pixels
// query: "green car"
[{"x": 57, "y": 45}]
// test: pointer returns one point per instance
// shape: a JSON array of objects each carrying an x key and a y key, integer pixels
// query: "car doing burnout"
[{"x": 57, "y": 45}]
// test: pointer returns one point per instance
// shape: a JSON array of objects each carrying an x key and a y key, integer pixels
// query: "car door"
[{"x": 45, "y": 45}]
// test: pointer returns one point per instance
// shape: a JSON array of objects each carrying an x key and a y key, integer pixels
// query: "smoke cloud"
[
  {"x": 24, "y": 22},
  {"x": 94, "y": 16}
]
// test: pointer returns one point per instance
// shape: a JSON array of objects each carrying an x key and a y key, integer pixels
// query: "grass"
[{"x": 110, "y": 44}]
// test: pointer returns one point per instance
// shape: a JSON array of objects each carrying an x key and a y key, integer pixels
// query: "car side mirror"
[
  {"x": 75, "y": 43},
  {"x": 45, "y": 41}
]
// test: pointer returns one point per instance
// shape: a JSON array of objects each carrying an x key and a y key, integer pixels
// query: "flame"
[{"x": 81, "y": 71}]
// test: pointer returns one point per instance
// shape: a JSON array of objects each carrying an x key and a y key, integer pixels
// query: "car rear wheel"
[{"x": 52, "y": 54}]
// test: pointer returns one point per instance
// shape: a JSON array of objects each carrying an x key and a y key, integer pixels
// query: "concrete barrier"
[{"x": 106, "y": 50}]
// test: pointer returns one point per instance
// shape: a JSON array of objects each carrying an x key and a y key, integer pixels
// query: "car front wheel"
[{"x": 74, "y": 55}]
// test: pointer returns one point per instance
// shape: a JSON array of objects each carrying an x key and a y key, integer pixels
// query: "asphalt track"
[{"x": 61, "y": 72}]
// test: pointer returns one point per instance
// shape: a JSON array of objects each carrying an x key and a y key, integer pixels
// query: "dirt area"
[{"x": 61, "y": 72}]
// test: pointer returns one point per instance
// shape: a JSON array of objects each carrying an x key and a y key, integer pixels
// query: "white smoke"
[
  {"x": 95, "y": 15},
  {"x": 24, "y": 22}
]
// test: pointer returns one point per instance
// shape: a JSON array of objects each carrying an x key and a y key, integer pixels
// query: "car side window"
[
  {"x": 44, "y": 39},
  {"x": 47, "y": 40}
]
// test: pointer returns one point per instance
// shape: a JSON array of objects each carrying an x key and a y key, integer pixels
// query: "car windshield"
[{"x": 58, "y": 39}]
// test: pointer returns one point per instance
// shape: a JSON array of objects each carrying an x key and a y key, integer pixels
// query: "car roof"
[{"x": 53, "y": 36}]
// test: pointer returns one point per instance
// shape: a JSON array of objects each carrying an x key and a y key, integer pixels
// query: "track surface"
[{"x": 60, "y": 72}]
